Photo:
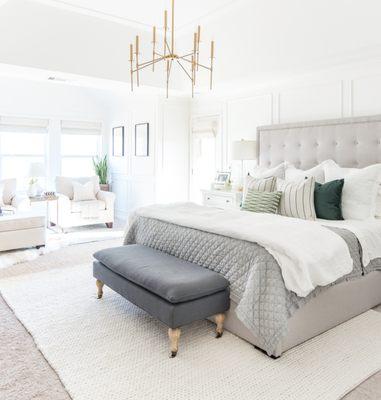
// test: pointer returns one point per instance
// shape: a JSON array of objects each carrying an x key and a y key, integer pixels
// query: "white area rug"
[
  {"x": 109, "y": 349},
  {"x": 56, "y": 240}
]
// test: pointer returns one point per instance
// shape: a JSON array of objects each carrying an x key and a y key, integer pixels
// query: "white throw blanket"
[
  {"x": 368, "y": 233},
  {"x": 308, "y": 254}
]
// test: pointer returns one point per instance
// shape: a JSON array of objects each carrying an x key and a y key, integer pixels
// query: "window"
[
  {"x": 22, "y": 143},
  {"x": 80, "y": 142}
]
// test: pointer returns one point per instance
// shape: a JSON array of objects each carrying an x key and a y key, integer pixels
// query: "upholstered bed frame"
[{"x": 351, "y": 142}]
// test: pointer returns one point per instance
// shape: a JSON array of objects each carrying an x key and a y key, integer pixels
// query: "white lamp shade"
[
  {"x": 244, "y": 150},
  {"x": 37, "y": 170}
]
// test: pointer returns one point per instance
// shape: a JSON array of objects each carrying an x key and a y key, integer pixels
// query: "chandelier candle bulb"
[
  {"x": 193, "y": 76},
  {"x": 173, "y": 27},
  {"x": 165, "y": 31},
  {"x": 137, "y": 59},
  {"x": 132, "y": 66},
  {"x": 198, "y": 44},
  {"x": 154, "y": 48}
]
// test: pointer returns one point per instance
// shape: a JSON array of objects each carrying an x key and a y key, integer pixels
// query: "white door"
[{"x": 205, "y": 156}]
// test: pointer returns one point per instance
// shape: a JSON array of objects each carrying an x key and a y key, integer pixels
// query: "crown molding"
[{"x": 69, "y": 6}]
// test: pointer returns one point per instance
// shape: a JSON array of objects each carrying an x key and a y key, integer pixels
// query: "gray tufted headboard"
[{"x": 351, "y": 142}]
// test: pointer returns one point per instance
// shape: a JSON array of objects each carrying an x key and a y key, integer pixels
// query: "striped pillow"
[
  {"x": 260, "y": 185},
  {"x": 261, "y": 202},
  {"x": 297, "y": 199}
]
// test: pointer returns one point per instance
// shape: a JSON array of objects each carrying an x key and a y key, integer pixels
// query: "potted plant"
[{"x": 101, "y": 169}]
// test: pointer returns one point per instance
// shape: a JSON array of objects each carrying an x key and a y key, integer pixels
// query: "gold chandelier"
[{"x": 169, "y": 56}]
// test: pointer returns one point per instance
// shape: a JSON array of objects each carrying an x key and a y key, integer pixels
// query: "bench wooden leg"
[
  {"x": 174, "y": 336},
  {"x": 219, "y": 318},
  {"x": 100, "y": 285}
]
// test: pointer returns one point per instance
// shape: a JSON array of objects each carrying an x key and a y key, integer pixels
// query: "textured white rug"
[
  {"x": 56, "y": 240},
  {"x": 109, "y": 349}
]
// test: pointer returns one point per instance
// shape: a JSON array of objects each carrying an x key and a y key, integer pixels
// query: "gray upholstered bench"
[{"x": 172, "y": 290}]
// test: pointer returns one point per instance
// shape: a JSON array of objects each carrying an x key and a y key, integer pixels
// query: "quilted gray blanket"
[{"x": 256, "y": 283}]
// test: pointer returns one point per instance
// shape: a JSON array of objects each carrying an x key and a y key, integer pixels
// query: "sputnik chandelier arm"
[{"x": 189, "y": 63}]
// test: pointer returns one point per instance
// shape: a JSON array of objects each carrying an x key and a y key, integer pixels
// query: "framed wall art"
[
  {"x": 142, "y": 140},
  {"x": 118, "y": 141}
]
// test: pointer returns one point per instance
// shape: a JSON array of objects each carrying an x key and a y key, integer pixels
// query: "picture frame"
[
  {"x": 118, "y": 141},
  {"x": 222, "y": 180},
  {"x": 142, "y": 140}
]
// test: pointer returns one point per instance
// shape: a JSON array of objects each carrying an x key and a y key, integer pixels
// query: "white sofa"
[
  {"x": 10, "y": 199},
  {"x": 66, "y": 212}
]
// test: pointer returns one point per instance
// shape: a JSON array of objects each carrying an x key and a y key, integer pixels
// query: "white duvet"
[{"x": 308, "y": 254}]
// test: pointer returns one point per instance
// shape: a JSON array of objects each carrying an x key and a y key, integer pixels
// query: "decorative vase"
[
  {"x": 32, "y": 190},
  {"x": 105, "y": 187}
]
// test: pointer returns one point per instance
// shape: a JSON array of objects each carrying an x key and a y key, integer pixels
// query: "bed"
[{"x": 285, "y": 320}]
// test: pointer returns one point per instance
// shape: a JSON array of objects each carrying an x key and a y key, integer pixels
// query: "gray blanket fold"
[{"x": 256, "y": 283}]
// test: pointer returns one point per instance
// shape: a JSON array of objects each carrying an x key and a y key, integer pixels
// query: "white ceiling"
[{"x": 145, "y": 13}]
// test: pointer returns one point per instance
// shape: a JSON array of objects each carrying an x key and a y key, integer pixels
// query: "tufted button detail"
[
  {"x": 299, "y": 145},
  {"x": 316, "y": 144},
  {"x": 356, "y": 143}
]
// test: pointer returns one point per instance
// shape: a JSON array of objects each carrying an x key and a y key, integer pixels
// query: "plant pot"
[{"x": 105, "y": 187}]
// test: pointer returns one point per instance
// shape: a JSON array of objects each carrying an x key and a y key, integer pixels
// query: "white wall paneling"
[
  {"x": 366, "y": 98},
  {"x": 318, "y": 101},
  {"x": 243, "y": 117},
  {"x": 172, "y": 183},
  {"x": 351, "y": 90}
]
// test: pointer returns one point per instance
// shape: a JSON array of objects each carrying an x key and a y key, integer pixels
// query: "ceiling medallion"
[{"x": 189, "y": 63}]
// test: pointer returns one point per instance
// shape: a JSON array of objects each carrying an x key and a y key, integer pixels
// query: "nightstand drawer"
[{"x": 218, "y": 201}]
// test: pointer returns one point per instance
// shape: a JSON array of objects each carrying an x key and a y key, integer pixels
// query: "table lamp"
[{"x": 243, "y": 150}]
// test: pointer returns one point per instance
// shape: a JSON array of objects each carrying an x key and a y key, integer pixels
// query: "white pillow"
[
  {"x": 84, "y": 191},
  {"x": 1, "y": 195},
  {"x": 333, "y": 171},
  {"x": 278, "y": 171},
  {"x": 297, "y": 198},
  {"x": 297, "y": 175},
  {"x": 361, "y": 197},
  {"x": 9, "y": 190}
]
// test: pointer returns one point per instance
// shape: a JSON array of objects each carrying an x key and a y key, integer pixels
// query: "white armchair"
[
  {"x": 10, "y": 199},
  {"x": 66, "y": 212}
]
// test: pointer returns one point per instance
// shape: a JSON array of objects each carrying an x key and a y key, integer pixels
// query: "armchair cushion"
[
  {"x": 83, "y": 192},
  {"x": 9, "y": 190},
  {"x": 64, "y": 185},
  {"x": 76, "y": 206},
  {"x": 108, "y": 198}
]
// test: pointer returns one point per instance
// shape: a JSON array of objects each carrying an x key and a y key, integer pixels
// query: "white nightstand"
[{"x": 221, "y": 198}]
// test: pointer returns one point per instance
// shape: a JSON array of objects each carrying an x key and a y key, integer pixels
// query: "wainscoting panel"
[
  {"x": 320, "y": 101},
  {"x": 132, "y": 192},
  {"x": 244, "y": 115},
  {"x": 366, "y": 95}
]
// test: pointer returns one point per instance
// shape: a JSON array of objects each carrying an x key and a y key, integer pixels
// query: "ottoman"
[
  {"x": 170, "y": 289},
  {"x": 21, "y": 230}
]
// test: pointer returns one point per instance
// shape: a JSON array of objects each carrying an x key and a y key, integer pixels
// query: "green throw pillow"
[
  {"x": 328, "y": 200},
  {"x": 261, "y": 202}
]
